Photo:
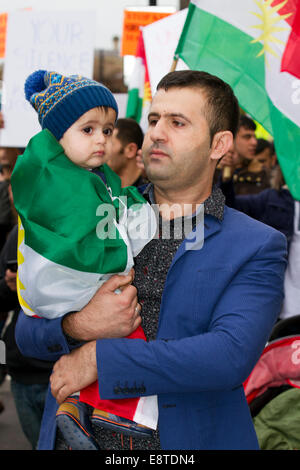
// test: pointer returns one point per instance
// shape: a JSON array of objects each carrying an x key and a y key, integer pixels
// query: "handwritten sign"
[
  {"x": 55, "y": 41},
  {"x": 133, "y": 20}
]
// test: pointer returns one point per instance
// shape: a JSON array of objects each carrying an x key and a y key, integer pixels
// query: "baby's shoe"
[
  {"x": 72, "y": 419},
  {"x": 118, "y": 424}
]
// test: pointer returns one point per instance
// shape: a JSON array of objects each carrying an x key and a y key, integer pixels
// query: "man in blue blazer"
[{"x": 209, "y": 303}]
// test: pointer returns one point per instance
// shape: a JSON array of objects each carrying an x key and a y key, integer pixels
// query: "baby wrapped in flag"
[{"x": 77, "y": 227}]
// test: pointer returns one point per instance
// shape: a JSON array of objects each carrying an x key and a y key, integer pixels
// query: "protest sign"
[
  {"x": 61, "y": 41},
  {"x": 134, "y": 18}
]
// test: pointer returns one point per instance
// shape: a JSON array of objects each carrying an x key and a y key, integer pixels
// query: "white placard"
[
  {"x": 161, "y": 39},
  {"x": 121, "y": 99},
  {"x": 60, "y": 41}
]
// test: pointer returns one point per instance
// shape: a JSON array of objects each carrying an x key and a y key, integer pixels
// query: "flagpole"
[{"x": 174, "y": 64}]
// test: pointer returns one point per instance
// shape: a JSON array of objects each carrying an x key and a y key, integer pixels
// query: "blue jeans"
[{"x": 29, "y": 401}]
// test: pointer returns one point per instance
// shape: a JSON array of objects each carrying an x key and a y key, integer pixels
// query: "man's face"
[
  {"x": 176, "y": 147},
  {"x": 8, "y": 158},
  {"x": 265, "y": 159},
  {"x": 245, "y": 143},
  {"x": 115, "y": 153}
]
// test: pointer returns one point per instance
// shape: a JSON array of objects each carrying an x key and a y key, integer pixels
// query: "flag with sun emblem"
[{"x": 254, "y": 45}]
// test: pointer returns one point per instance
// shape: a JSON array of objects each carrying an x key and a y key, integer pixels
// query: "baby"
[{"x": 77, "y": 227}]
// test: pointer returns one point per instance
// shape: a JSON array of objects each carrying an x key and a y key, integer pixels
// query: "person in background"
[
  {"x": 126, "y": 140},
  {"x": 276, "y": 207},
  {"x": 291, "y": 304},
  {"x": 256, "y": 176},
  {"x": 8, "y": 216},
  {"x": 240, "y": 155},
  {"x": 273, "y": 206},
  {"x": 245, "y": 142},
  {"x": 225, "y": 166},
  {"x": 265, "y": 155},
  {"x": 29, "y": 377}
]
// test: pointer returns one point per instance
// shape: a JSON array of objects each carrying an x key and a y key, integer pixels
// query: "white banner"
[
  {"x": 60, "y": 41},
  {"x": 161, "y": 39}
]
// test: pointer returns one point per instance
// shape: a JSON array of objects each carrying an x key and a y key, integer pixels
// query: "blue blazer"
[{"x": 219, "y": 305}]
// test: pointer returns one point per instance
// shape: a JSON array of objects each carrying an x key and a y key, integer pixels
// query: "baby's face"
[{"x": 85, "y": 141}]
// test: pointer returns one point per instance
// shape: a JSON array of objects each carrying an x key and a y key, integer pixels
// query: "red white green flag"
[
  {"x": 254, "y": 45},
  {"x": 139, "y": 94}
]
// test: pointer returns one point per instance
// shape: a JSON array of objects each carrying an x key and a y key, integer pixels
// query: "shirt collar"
[{"x": 213, "y": 205}]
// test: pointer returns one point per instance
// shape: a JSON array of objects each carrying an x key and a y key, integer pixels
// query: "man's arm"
[
  {"x": 221, "y": 358},
  {"x": 118, "y": 314},
  {"x": 107, "y": 315}
]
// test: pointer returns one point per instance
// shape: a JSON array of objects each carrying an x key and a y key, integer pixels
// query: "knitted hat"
[{"x": 60, "y": 100}]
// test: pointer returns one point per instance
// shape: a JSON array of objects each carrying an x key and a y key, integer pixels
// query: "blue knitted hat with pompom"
[{"x": 60, "y": 100}]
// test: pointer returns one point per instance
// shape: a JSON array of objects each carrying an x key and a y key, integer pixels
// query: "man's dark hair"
[
  {"x": 263, "y": 144},
  {"x": 222, "y": 110},
  {"x": 246, "y": 122},
  {"x": 129, "y": 131}
]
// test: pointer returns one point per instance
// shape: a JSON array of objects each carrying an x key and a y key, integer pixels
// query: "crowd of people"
[
  {"x": 200, "y": 309},
  {"x": 252, "y": 181}
]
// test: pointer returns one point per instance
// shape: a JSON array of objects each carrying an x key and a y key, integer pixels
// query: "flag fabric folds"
[
  {"x": 139, "y": 94},
  {"x": 244, "y": 43},
  {"x": 291, "y": 57},
  {"x": 73, "y": 232}
]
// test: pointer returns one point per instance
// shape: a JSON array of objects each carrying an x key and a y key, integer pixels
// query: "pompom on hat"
[{"x": 60, "y": 100}]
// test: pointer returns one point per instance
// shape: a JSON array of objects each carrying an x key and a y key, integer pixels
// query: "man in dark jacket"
[
  {"x": 273, "y": 206},
  {"x": 29, "y": 376}
]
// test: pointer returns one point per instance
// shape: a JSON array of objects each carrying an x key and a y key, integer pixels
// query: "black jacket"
[
  {"x": 272, "y": 207},
  {"x": 20, "y": 368}
]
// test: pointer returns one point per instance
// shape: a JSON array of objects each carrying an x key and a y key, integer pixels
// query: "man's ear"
[
  {"x": 222, "y": 141},
  {"x": 130, "y": 150}
]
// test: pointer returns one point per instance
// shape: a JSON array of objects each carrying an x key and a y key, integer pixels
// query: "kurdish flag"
[
  {"x": 254, "y": 45},
  {"x": 139, "y": 95},
  {"x": 73, "y": 231}
]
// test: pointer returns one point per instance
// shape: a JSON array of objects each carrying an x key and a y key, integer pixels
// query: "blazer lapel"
[{"x": 211, "y": 226}]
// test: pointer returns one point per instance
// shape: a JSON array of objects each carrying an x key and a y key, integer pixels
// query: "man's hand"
[
  {"x": 108, "y": 314},
  {"x": 74, "y": 371},
  {"x": 11, "y": 280},
  {"x": 227, "y": 160}
]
